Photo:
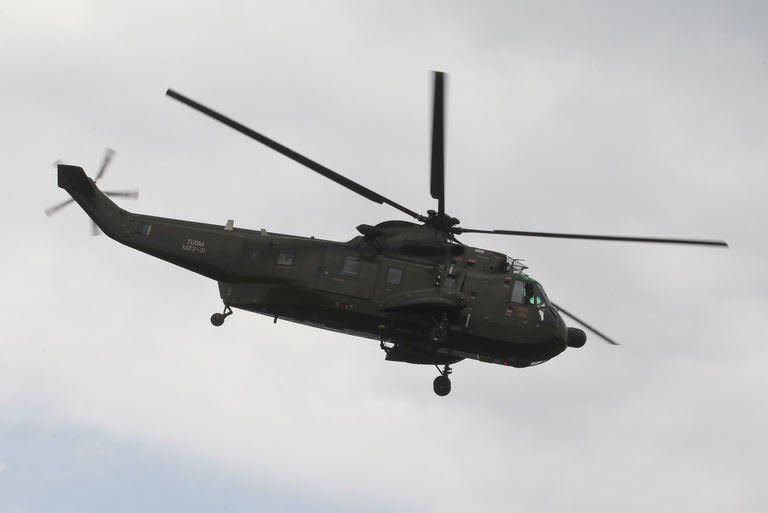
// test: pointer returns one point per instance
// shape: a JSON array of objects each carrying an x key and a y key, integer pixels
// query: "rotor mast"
[
  {"x": 437, "y": 178},
  {"x": 439, "y": 219}
]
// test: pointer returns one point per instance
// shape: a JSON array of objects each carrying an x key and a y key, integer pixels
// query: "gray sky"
[{"x": 115, "y": 391}]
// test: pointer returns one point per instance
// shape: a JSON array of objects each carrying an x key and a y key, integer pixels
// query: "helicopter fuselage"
[{"x": 424, "y": 298}]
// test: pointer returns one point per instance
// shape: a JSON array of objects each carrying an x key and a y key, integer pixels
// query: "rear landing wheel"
[{"x": 442, "y": 385}]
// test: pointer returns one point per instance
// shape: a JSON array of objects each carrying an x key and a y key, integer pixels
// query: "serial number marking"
[{"x": 193, "y": 246}]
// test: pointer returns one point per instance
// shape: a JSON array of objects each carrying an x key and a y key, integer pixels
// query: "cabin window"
[
  {"x": 351, "y": 266},
  {"x": 286, "y": 257},
  {"x": 394, "y": 276}
]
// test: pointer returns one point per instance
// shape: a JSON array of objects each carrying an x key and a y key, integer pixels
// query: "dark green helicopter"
[{"x": 426, "y": 297}]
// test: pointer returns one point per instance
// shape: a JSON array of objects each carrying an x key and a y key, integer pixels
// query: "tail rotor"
[{"x": 129, "y": 194}]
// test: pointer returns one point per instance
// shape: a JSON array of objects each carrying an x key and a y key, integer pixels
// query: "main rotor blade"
[
  {"x": 122, "y": 194},
  {"x": 52, "y": 210},
  {"x": 437, "y": 182},
  {"x": 94, "y": 228},
  {"x": 301, "y": 159},
  {"x": 104, "y": 163},
  {"x": 699, "y": 242},
  {"x": 590, "y": 328}
]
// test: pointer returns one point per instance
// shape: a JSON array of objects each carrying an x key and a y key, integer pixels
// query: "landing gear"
[
  {"x": 438, "y": 332},
  {"x": 217, "y": 319},
  {"x": 442, "y": 383}
]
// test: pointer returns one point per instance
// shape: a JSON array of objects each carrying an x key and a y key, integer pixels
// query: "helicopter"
[{"x": 412, "y": 286}]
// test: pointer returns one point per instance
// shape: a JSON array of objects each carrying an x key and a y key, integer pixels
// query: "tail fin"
[
  {"x": 74, "y": 180},
  {"x": 104, "y": 212}
]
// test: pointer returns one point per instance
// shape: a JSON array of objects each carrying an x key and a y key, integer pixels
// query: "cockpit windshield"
[{"x": 527, "y": 293}]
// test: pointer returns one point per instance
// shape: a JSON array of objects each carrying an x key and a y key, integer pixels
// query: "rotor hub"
[{"x": 441, "y": 221}]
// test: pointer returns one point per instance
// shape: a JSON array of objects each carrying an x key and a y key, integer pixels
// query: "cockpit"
[{"x": 526, "y": 292}]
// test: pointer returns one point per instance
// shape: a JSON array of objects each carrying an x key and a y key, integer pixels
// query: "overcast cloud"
[{"x": 117, "y": 394}]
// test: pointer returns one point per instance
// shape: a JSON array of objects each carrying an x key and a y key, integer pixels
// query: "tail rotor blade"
[
  {"x": 590, "y": 328},
  {"x": 52, "y": 210},
  {"x": 110, "y": 153},
  {"x": 133, "y": 194},
  {"x": 437, "y": 171}
]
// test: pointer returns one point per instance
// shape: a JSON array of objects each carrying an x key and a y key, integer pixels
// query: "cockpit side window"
[
  {"x": 527, "y": 293},
  {"x": 533, "y": 295}
]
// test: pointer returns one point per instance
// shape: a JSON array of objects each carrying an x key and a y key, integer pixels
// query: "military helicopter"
[{"x": 412, "y": 286}]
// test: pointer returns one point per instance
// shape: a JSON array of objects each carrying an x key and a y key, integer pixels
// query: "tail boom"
[{"x": 206, "y": 249}]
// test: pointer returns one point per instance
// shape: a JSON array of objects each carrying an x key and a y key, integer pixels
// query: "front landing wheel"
[{"x": 442, "y": 385}]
